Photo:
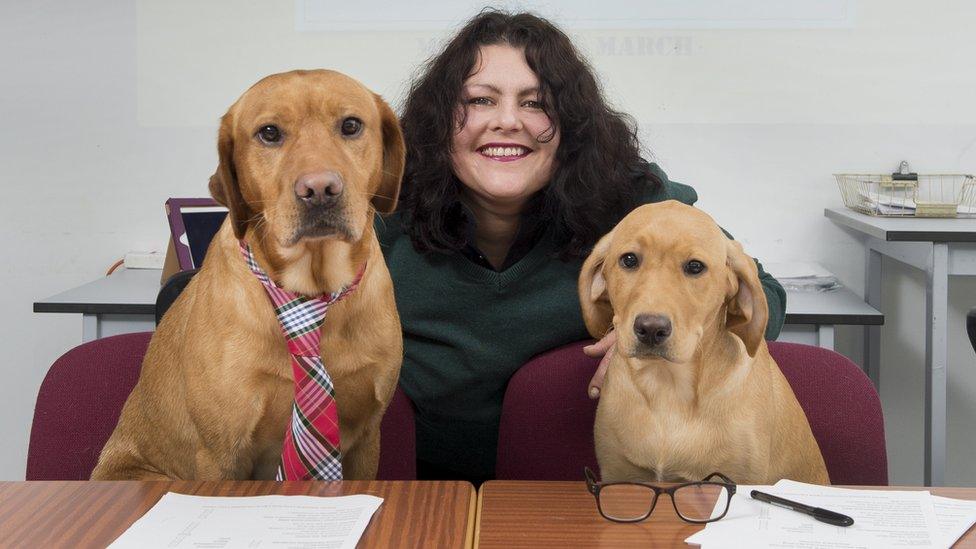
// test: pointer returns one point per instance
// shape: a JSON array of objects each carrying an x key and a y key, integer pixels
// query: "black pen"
[{"x": 822, "y": 515}]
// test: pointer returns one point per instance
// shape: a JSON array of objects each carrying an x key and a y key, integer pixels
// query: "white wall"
[{"x": 108, "y": 108}]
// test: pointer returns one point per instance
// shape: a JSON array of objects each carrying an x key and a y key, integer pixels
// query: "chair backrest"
[
  {"x": 843, "y": 409},
  {"x": 79, "y": 403},
  {"x": 971, "y": 327},
  {"x": 546, "y": 429},
  {"x": 82, "y": 395},
  {"x": 171, "y": 290}
]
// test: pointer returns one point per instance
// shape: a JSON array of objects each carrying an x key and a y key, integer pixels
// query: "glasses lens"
[
  {"x": 626, "y": 501},
  {"x": 701, "y": 502}
]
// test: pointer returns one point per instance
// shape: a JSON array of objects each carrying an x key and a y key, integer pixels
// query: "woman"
[{"x": 515, "y": 168}]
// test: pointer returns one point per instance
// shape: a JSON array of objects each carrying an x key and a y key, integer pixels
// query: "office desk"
[
  {"x": 564, "y": 514},
  {"x": 812, "y": 316},
  {"x": 940, "y": 248},
  {"x": 122, "y": 303},
  {"x": 125, "y": 302},
  {"x": 93, "y": 514}
]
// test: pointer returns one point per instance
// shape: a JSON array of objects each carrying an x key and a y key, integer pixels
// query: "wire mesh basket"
[{"x": 899, "y": 195}]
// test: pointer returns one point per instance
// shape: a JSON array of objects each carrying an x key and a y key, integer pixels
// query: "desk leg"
[
  {"x": 90, "y": 327},
  {"x": 872, "y": 334},
  {"x": 825, "y": 336},
  {"x": 936, "y": 359}
]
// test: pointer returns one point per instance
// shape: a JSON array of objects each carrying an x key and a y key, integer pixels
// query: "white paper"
[
  {"x": 803, "y": 277},
  {"x": 882, "y": 519},
  {"x": 796, "y": 270},
  {"x": 955, "y": 517},
  {"x": 899, "y": 203},
  {"x": 179, "y": 520}
]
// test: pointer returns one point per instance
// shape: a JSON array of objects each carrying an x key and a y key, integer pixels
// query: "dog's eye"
[
  {"x": 351, "y": 126},
  {"x": 629, "y": 261},
  {"x": 694, "y": 267},
  {"x": 270, "y": 134}
]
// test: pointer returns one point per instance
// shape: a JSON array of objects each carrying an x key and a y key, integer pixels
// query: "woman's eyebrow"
[{"x": 534, "y": 90}]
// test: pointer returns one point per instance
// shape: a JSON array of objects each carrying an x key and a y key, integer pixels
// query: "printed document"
[
  {"x": 955, "y": 517},
  {"x": 183, "y": 521},
  {"x": 882, "y": 519}
]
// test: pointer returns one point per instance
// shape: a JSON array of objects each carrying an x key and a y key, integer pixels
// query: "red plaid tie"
[{"x": 311, "y": 448}]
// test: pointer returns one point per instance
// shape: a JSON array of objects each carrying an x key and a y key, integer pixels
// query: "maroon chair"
[
  {"x": 82, "y": 395},
  {"x": 546, "y": 430}
]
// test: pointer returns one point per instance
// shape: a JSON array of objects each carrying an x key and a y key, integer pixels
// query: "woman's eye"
[
  {"x": 351, "y": 126},
  {"x": 479, "y": 101},
  {"x": 269, "y": 134},
  {"x": 533, "y": 105},
  {"x": 629, "y": 261},
  {"x": 694, "y": 267}
]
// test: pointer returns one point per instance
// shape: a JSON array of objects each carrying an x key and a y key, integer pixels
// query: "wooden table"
[
  {"x": 93, "y": 514},
  {"x": 564, "y": 514}
]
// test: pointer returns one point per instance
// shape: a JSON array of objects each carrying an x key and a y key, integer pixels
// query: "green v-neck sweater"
[{"x": 467, "y": 329}]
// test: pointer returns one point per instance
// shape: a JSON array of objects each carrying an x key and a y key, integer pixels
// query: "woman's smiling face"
[{"x": 497, "y": 154}]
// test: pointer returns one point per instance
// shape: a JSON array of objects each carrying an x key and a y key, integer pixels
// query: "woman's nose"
[{"x": 506, "y": 118}]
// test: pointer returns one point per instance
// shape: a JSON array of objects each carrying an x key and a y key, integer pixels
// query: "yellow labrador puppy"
[
  {"x": 691, "y": 388},
  {"x": 306, "y": 158}
]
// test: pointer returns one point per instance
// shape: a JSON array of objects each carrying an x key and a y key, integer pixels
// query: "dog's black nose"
[
  {"x": 319, "y": 188},
  {"x": 652, "y": 330}
]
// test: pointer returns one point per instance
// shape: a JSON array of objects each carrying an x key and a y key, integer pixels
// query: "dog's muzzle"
[{"x": 320, "y": 205}]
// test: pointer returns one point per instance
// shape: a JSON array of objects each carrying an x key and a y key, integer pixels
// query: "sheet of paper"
[
  {"x": 179, "y": 520},
  {"x": 896, "y": 518},
  {"x": 896, "y": 201},
  {"x": 796, "y": 270},
  {"x": 955, "y": 517},
  {"x": 900, "y": 203},
  {"x": 882, "y": 518}
]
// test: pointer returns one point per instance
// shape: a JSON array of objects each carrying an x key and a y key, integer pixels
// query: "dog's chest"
[
  {"x": 676, "y": 444},
  {"x": 664, "y": 437}
]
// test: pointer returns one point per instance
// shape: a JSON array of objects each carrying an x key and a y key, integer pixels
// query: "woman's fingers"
[
  {"x": 597, "y": 382},
  {"x": 601, "y": 347},
  {"x": 604, "y": 349}
]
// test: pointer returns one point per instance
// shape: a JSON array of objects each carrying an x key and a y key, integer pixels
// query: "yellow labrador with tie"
[{"x": 306, "y": 158}]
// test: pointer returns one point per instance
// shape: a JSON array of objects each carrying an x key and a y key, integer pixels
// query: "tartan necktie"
[{"x": 311, "y": 447}]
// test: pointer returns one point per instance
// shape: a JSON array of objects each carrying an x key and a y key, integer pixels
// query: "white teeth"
[{"x": 504, "y": 151}]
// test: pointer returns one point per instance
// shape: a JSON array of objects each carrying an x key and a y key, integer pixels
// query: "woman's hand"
[{"x": 603, "y": 348}]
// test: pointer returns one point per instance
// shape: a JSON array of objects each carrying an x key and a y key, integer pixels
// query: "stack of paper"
[
  {"x": 803, "y": 277},
  {"x": 882, "y": 519},
  {"x": 885, "y": 204},
  {"x": 179, "y": 520},
  {"x": 900, "y": 203}
]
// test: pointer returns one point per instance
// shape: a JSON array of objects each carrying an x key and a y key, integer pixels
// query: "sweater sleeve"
[
  {"x": 775, "y": 294},
  {"x": 775, "y": 299}
]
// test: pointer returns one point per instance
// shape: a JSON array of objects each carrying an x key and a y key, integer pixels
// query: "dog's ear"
[
  {"x": 593, "y": 295},
  {"x": 224, "y": 187},
  {"x": 394, "y": 158},
  {"x": 746, "y": 308}
]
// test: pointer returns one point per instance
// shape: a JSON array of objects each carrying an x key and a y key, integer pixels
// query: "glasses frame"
[{"x": 595, "y": 487}]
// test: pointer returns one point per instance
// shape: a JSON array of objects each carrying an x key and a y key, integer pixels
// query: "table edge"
[
  {"x": 478, "y": 511},
  {"x": 95, "y": 308},
  {"x": 895, "y": 235},
  {"x": 837, "y": 319}
]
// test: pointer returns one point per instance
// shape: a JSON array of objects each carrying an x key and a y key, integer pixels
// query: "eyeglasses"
[{"x": 697, "y": 502}]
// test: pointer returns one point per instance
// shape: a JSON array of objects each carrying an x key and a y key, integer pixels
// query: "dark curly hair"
[{"x": 599, "y": 173}]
